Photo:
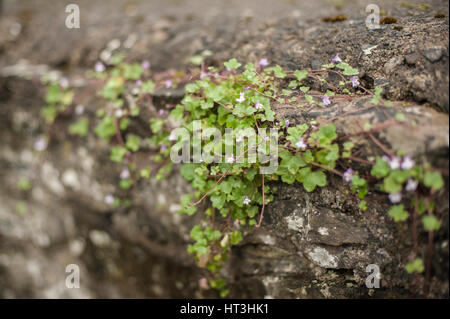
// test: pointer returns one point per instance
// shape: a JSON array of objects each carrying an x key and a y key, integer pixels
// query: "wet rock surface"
[{"x": 311, "y": 245}]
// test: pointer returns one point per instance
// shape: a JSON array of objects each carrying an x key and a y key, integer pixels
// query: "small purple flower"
[
  {"x": 241, "y": 97},
  {"x": 79, "y": 109},
  {"x": 355, "y": 81},
  {"x": 161, "y": 112},
  {"x": 266, "y": 138},
  {"x": 258, "y": 105},
  {"x": 125, "y": 174},
  {"x": 325, "y": 100},
  {"x": 408, "y": 162},
  {"x": 286, "y": 123},
  {"x": 230, "y": 159},
  {"x": 109, "y": 199},
  {"x": 411, "y": 185},
  {"x": 395, "y": 198},
  {"x": 386, "y": 158},
  {"x": 348, "y": 175},
  {"x": 336, "y": 59},
  {"x": 145, "y": 64},
  {"x": 394, "y": 162},
  {"x": 168, "y": 83},
  {"x": 301, "y": 143},
  {"x": 139, "y": 82},
  {"x": 239, "y": 139},
  {"x": 99, "y": 67},
  {"x": 135, "y": 91},
  {"x": 163, "y": 147},
  {"x": 246, "y": 200},
  {"x": 263, "y": 62},
  {"x": 64, "y": 83},
  {"x": 40, "y": 144},
  {"x": 119, "y": 113},
  {"x": 203, "y": 75}
]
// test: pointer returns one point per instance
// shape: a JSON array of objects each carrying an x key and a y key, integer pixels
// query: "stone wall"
[{"x": 311, "y": 245}]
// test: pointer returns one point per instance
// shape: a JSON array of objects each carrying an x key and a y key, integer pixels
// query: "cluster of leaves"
[{"x": 240, "y": 98}]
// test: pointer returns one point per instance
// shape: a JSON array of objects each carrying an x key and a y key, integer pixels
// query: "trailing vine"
[{"x": 240, "y": 97}]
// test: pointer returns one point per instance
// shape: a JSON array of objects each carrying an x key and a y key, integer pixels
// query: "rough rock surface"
[{"x": 312, "y": 245}]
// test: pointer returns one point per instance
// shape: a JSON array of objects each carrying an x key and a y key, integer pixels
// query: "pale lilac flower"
[
  {"x": 168, "y": 83},
  {"x": 79, "y": 109},
  {"x": 394, "y": 162},
  {"x": 348, "y": 175},
  {"x": 125, "y": 174},
  {"x": 99, "y": 67},
  {"x": 411, "y": 185},
  {"x": 301, "y": 143},
  {"x": 336, "y": 59},
  {"x": 109, "y": 199},
  {"x": 386, "y": 158},
  {"x": 135, "y": 91},
  {"x": 258, "y": 105},
  {"x": 239, "y": 139},
  {"x": 161, "y": 112},
  {"x": 163, "y": 147},
  {"x": 230, "y": 159},
  {"x": 263, "y": 62},
  {"x": 118, "y": 113},
  {"x": 325, "y": 100},
  {"x": 203, "y": 75},
  {"x": 139, "y": 82},
  {"x": 286, "y": 123},
  {"x": 145, "y": 64},
  {"x": 40, "y": 144},
  {"x": 64, "y": 83},
  {"x": 241, "y": 97},
  {"x": 395, "y": 197},
  {"x": 355, "y": 81},
  {"x": 266, "y": 138},
  {"x": 408, "y": 162},
  {"x": 246, "y": 200}
]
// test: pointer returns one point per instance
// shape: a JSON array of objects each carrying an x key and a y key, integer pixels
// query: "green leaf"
[
  {"x": 415, "y": 266},
  {"x": 278, "y": 72},
  {"x": 156, "y": 125},
  {"x": 398, "y": 213},
  {"x": 117, "y": 153},
  {"x": 133, "y": 142},
  {"x": 236, "y": 237},
  {"x": 80, "y": 128},
  {"x": 218, "y": 201},
  {"x": 148, "y": 87},
  {"x": 311, "y": 179},
  {"x": 232, "y": 64},
  {"x": 433, "y": 180},
  {"x": 105, "y": 129},
  {"x": 186, "y": 208},
  {"x": 301, "y": 75},
  {"x": 125, "y": 183},
  {"x": 431, "y": 223},
  {"x": 24, "y": 184},
  {"x": 380, "y": 169}
]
